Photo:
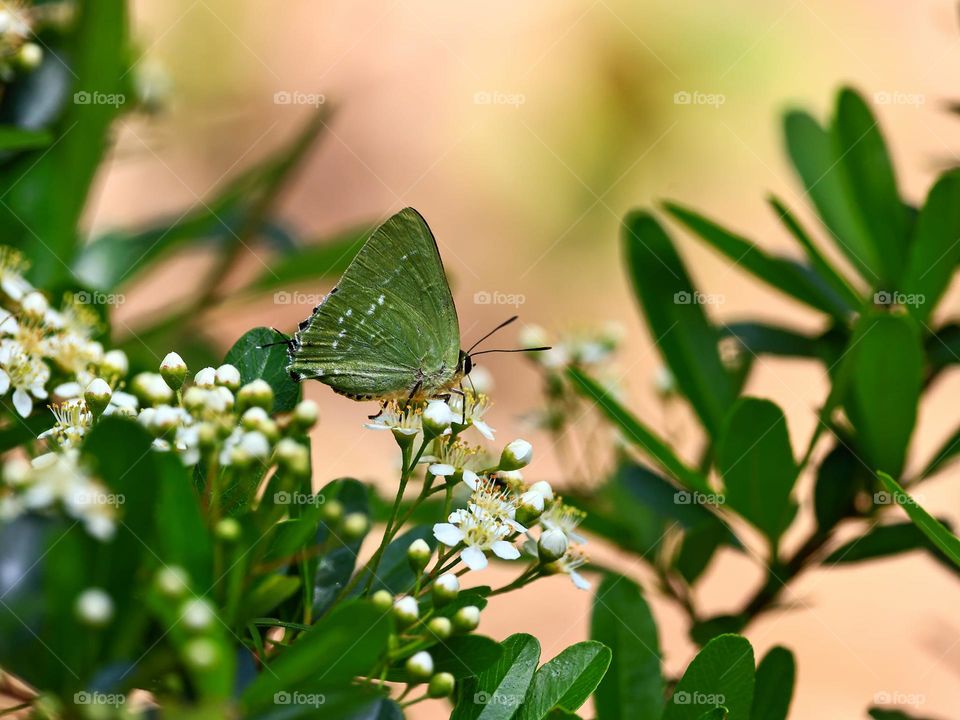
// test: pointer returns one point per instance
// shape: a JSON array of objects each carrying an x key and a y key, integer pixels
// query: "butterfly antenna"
[
  {"x": 285, "y": 340},
  {"x": 499, "y": 327},
  {"x": 534, "y": 349}
]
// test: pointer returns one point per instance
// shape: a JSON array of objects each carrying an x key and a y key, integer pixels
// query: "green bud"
[
  {"x": 172, "y": 581},
  {"x": 437, "y": 418},
  {"x": 441, "y": 685},
  {"x": 255, "y": 394},
  {"x": 419, "y": 554},
  {"x": 355, "y": 526},
  {"x": 552, "y": 545},
  {"x": 445, "y": 589},
  {"x": 516, "y": 455},
  {"x": 382, "y": 600},
  {"x": 332, "y": 512},
  {"x": 466, "y": 619},
  {"x": 420, "y": 666},
  {"x": 97, "y": 396},
  {"x": 173, "y": 370},
  {"x": 201, "y": 653},
  {"x": 306, "y": 414},
  {"x": 229, "y": 530},
  {"x": 440, "y": 627},
  {"x": 406, "y": 611}
]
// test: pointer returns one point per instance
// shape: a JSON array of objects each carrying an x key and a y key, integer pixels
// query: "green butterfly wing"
[{"x": 390, "y": 325}]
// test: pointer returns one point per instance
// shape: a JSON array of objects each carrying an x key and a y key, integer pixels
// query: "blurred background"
[{"x": 523, "y": 132}]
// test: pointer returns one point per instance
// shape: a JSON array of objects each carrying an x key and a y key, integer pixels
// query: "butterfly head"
[{"x": 464, "y": 364}]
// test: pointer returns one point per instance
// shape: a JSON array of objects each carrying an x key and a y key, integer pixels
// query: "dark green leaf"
[
  {"x": 14, "y": 138},
  {"x": 939, "y": 535},
  {"x": 780, "y": 274},
  {"x": 722, "y": 674},
  {"x": 840, "y": 477},
  {"x": 633, "y": 686},
  {"x": 182, "y": 537},
  {"x": 254, "y": 360},
  {"x": 497, "y": 692},
  {"x": 776, "y": 675},
  {"x": 881, "y": 541},
  {"x": 465, "y": 656},
  {"x": 334, "y": 569},
  {"x": 945, "y": 456},
  {"x": 678, "y": 324},
  {"x": 756, "y": 462},
  {"x": 934, "y": 249},
  {"x": 885, "y": 388},
  {"x": 394, "y": 573},
  {"x": 566, "y": 681},
  {"x": 637, "y": 433}
]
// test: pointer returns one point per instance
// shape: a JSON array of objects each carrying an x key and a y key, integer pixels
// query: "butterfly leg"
[
  {"x": 383, "y": 406},
  {"x": 413, "y": 392}
]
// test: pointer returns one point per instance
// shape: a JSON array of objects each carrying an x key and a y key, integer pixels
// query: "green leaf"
[
  {"x": 15, "y": 138},
  {"x": 869, "y": 179},
  {"x": 756, "y": 462},
  {"x": 778, "y": 273},
  {"x": 633, "y": 686},
  {"x": 885, "y": 388},
  {"x": 722, "y": 674},
  {"x": 939, "y": 535},
  {"x": 636, "y": 432},
  {"x": 883, "y": 714},
  {"x": 394, "y": 573},
  {"x": 182, "y": 536},
  {"x": 776, "y": 675},
  {"x": 812, "y": 152},
  {"x": 334, "y": 569},
  {"x": 881, "y": 541},
  {"x": 254, "y": 360},
  {"x": 677, "y": 322},
  {"x": 347, "y": 642},
  {"x": 840, "y": 477},
  {"x": 566, "y": 681},
  {"x": 833, "y": 277},
  {"x": 497, "y": 692},
  {"x": 268, "y": 594},
  {"x": 934, "y": 249},
  {"x": 465, "y": 656},
  {"x": 943, "y": 457}
]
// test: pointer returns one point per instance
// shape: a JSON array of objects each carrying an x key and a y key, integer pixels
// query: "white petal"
[
  {"x": 579, "y": 580},
  {"x": 474, "y": 558},
  {"x": 515, "y": 525},
  {"x": 4, "y": 382},
  {"x": 22, "y": 402},
  {"x": 67, "y": 390},
  {"x": 576, "y": 537},
  {"x": 449, "y": 535},
  {"x": 503, "y": 549},
  {"x": 483, "y": 429},
  {"x": 471, "y": 479},
  {"x": 441, "y": 469}
]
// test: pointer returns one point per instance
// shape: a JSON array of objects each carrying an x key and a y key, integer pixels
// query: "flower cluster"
[
  {"x": 585, "y": 348},
  {"x": 19, "y": 24}
]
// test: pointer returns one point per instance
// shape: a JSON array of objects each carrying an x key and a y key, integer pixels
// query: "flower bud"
[
  {"x": 516, "y": 455},
  {"x": 419, "y": 555},
  {"x": 97, "y": 396},
  {"x": 94, "y": 607},
  {"x": 305, "y": 414},
  {"x": 115, "y": 364},
  {"x": 201, "y": 653},
  {"x": 228, "y": 376},
  {"x": 172, "y": 581},
  {"x": 420, "y": 666},
  {"x": 164, "y": 420},
  {"x": 544, "y": 488},
  {"x": 255, "y": 444},
  {"x": 529, "y": 507},
  {"x": 437, "y": 418},
  {"x": 445, "y": 589},
  {"x": 440, "y": 627},
  {"x": 441, "y": 685},
  {"x": 229, "y": 530},
  {"x": 29, "y": 56},
  {"x": 293, "y": 457},
  {"x": 151, "y": 389},
  {"x": 552, "y": 545},
  {"x": 382, "y": 600},
  {"x": 197, "y": 614},
  {"x": 173, "y": 370},
  {"x": 355, "y": 526},
  {"x": 207, "y": 435},
  {"x": 406, "y": 611},
  {"x": 206, "y": 378},
  {"x": 257, "y": 393},
  {"x": 332, "y": 512},
  {"x": 466, "y": 619}
]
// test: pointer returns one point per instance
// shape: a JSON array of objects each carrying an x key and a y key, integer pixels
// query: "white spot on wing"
[
  {"x": 381, "y": 299},
  {"x": 349, "y": 312}
]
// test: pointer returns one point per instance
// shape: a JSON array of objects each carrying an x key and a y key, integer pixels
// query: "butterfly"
[{"x": 389, "y": 330}]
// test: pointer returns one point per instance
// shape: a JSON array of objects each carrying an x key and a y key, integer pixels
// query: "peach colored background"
[{"x": 526, "y": 200}]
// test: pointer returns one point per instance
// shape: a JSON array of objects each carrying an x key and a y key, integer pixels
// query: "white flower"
[
  {"x": 565, "y": 518},
  {"x": 469, "y": 410},
  {"x": 26, "y": 373},
  {"x": 543, "y": 488},
  {"x": 72, "y": 422},
  {"x": 568, "y": 565},
  {"x": 115, "y": 363},
  {"x": 405, "y": 423},
  {"x": 122, "y": 403},
  {"x": 12, "y": 267},
  {"x": 478, "y": 532}
]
